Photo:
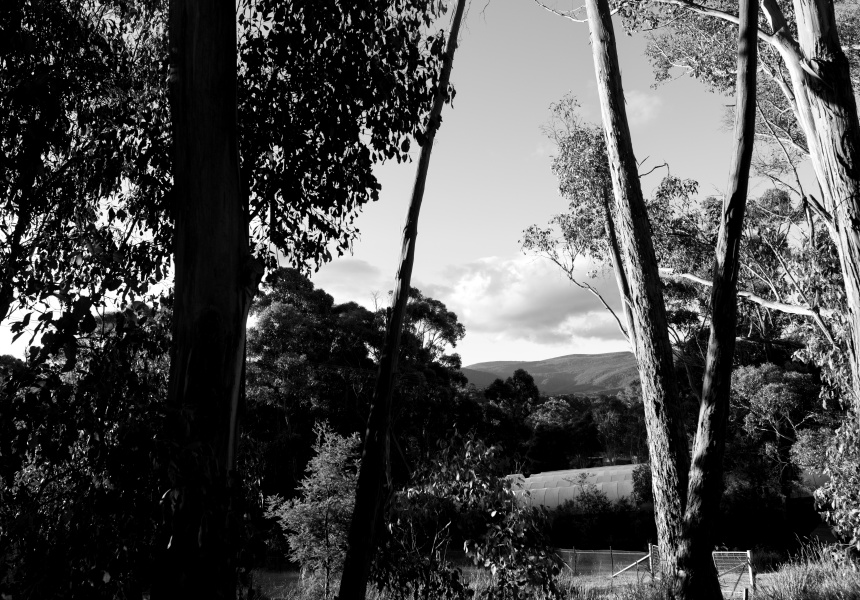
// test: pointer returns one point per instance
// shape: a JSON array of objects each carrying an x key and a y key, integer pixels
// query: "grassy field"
[{"x": 819, "y": 573}]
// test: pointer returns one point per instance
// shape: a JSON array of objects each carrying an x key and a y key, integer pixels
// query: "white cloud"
[
  {"x": 520, "y": 308},
  {"x": 642, "y": 107},
  {"x": 524, "y": 308}
]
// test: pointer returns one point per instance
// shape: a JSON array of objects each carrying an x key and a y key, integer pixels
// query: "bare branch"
[
  {"x": 815, "y": 314},
  {"x": 777, "y": 181},
  {"x": 641, "y": 175},
  {"x": 567, "y": 15},
  {"x": 783, "y": 148},
  {"x": 784, "y": 307},
  {"x": 824, "y": 214},
  {"x": 568, "y": 270},
  {"x": 590, "y": 288},
  {"x": 713, "y": 12}
]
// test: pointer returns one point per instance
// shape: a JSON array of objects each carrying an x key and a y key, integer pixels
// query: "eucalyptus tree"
[
  {"x": 374, "y": 475},
  {"x": 587, "y": 231},
  {"x": 89, "y": 215},
  {"x": 699, "y": 577},
  {"x": 680, "y": 536},
  {"x": 807, "y": 106},
  {"x": 667, "y": 440},
  {"x": 326, "y": 95},
  {"x": 85, "y": 176}
]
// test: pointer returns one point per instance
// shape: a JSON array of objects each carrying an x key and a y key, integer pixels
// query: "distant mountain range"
[{"x": 586, "y": 374}]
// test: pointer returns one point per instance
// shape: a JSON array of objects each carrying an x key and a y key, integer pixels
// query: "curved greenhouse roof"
[{"x": 553, "y": 488}]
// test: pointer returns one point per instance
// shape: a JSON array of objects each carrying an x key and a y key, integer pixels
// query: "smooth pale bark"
[
  {"x": 214, "y": 284},
  {"x": 667, "y": 442},
  {"x": 618, "y": 269},
  {"x": 795, "y": 309},
  {"x": 698, "y": 576},
  {"x": 828, "y": 114},
  {"x": 372, "y": 486},
  {"x": 822, "y": 99}
]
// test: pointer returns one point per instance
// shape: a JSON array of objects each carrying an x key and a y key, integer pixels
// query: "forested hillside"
[{"x": 588, "y": 374}]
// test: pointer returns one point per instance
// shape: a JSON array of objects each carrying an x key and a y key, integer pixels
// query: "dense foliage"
[
  {"x": 461, "y": 498},
  {"x": 327, "y": 89},
  {"x": 79, "y": 489}
]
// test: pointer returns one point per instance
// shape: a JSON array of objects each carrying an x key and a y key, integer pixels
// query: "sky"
[{"x": 490, "y": 178}]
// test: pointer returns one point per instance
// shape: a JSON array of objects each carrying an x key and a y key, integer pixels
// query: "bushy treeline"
[{"x": 83, "y": 477}]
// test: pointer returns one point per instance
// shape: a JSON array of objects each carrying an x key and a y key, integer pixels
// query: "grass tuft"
[{"x": 818, "y": 573}]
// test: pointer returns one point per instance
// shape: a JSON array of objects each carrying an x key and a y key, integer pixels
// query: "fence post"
[
  {"x": 750, "y": 567},
  {"x": 611, "y": 568},
  {"x": 574, "y": 561}
]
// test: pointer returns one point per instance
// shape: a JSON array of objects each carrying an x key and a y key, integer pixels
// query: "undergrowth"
[{"x": 818, "y": 573}]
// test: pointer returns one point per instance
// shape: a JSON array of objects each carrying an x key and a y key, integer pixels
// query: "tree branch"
[
  {"x": 822, "y": 212},
  {"x": 815, "y": 315},
  {"x": 719, "y": 14},
  {"x": 784, "y": 307},
  {"x": 641, "y": 175},
  {"x": 586, "y": 286},
  {"x": 785, "y": 153},
  {"x": 567, "y": 15},
  {"x": 591, "y": 289}
]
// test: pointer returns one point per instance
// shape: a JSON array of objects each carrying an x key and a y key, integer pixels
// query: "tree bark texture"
[
  {"x": 372, "y": 486},
  {"x": 214, "y": 285},
  {"x": 618, "y": 269},
  {"x": 827, "y": 111},
  {"x": 667, "y": 442},
  {"x": 830, "y": 121},
  {"x": 698, "y": 575}
]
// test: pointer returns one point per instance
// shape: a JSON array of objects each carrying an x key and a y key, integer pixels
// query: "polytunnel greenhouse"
[{"x": 553, "y": 488}]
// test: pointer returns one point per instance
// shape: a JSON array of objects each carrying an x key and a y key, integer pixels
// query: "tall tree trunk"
[
  {"x": 371, "y": 488},
  {"x": 698, "y": 574},
  {"x": 618, "y": 269},
  {"x": 214, "y": 284},
  {"x": 667, "y": 442},
  {"x": 829, "y": 118},
  {"x": 827, "y": 111}
]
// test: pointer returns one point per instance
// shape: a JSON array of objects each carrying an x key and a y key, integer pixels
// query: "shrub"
[
  {"x": 462, "y": 497},
  {"x": 841, "y": 495},
  {"x": 81, "y": 464},
  {"x": 317, "y": 523}
]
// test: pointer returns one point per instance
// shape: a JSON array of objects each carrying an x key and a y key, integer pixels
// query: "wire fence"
[
  {"x": 601, "y": 562},
  {"x": 734, "y": 569}
]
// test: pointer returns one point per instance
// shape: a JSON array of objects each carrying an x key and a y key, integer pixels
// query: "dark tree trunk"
[
  {"x": 667, "y": 442},
  {"x": 698, "y": 574},
  {"x": 214, "y": 285},
  {"x": 371, "y": 490}
]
